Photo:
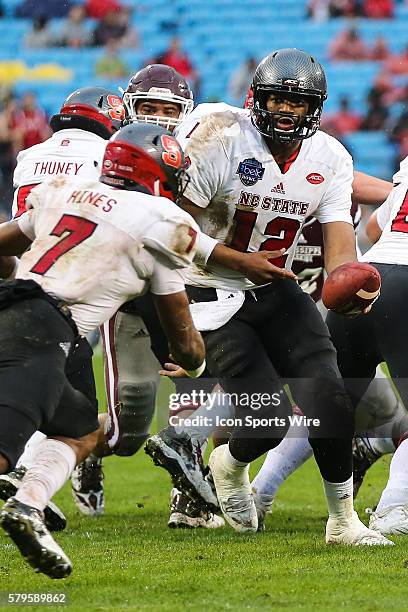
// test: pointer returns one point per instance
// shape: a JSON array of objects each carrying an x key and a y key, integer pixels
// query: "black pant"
[
  {"x": 382, "y": 335},
  {"x": 278, "y": 332},
  {"x": 34, "y": 390}
]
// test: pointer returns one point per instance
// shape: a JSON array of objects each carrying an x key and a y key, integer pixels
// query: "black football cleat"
[
  {"x": 87, "y": 486},
  {"x": 188, "y": 514},
  {"x": 182, "y": 459},
  {"x": 25, "y": 526},
  {"x": 363, "y": 458},
  {"x": 54, "y": 518}
]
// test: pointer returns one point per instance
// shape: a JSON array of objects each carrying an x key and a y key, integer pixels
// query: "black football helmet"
[
  {"x": 158, "y": 82},
  {"x": 288, "y": 71},
  {"x": 94, "y": 109},
  {"x": 147, "y": 158}
]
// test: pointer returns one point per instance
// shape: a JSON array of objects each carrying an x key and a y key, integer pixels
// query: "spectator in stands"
[
  {"x": 175, "y": 57},
  {"x": 397, "y": 64},
  {"x": 348, "y": 46},
  {"x": 10, "y": 144},
  {"x": 241, "y": 79},
  {"x": 318, "y": 10},
  {"x": 74, "y": 32},
  {"x": 130, "y": 37},
  {"x": 97, "y": 9},
  {"x": 111, "y": 65},
  {"x": 36, "y": 8},
  {"x": 377, "y": 111},
  {"x": 344, "y": 8},
  {"x": 380, "y": 50},
  {"x": 344, "y": 121},
  {"x": 378, "y": 9},
  {"x": 40, "y": 36},
  {"x": 116, "y": 25},
  {"x": 30, "y": 122},
  {"x": 399, "y": 135}
]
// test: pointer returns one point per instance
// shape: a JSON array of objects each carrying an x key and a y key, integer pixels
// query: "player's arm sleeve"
[
  {"x": 205, "y": 246},
  {"x": 165, "y": 278},
  {"x": 336, "y": 203},
  {"x": 26, "y": 224},
  {"x": 207, "y": 157},
  {"x": 176, "y": 238},
  {"x": 384, "y": 211}
]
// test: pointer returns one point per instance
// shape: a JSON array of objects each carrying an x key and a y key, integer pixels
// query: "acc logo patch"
[
  {"x": 250, "y": 171},
  {"x": 315, "y": 178}
]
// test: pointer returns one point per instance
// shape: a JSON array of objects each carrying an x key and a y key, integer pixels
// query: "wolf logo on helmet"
[
  {"x": 158, "y": 82},
  {"x": 145, "y": 158},
  {"x": 289, "y": 74},
  {"x": 94, "y": 109}
]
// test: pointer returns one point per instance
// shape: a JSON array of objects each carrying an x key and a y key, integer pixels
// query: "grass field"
[{"x": 129, "y": 560}]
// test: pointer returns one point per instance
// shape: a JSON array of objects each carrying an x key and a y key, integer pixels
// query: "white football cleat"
[
  {"x": 352, "y": 532},
  {"x": 392, "y": 520},
  {"x": 234, "y": 492}
]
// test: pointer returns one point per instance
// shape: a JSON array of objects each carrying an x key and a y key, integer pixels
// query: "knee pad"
[{"x": 137, "y": 402}]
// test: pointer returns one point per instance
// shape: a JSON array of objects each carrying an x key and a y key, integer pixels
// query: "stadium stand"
[{"x": 218, "y": 36}]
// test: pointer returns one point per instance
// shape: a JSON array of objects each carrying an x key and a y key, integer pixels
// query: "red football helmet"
[
  {"x": 147, "y": 158},
  {"x": 158, "y": 82},
  {"x": 94, "y": 109}
]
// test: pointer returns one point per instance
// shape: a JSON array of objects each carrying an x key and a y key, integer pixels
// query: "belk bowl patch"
[{"x": 250, "y": 171}]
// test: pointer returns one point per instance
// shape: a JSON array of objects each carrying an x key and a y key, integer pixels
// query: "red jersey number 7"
[{"x": 77, "y": 229}]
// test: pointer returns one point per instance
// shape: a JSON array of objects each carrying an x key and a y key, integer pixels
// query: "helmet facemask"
[
  {"x": 132, "y": 100},
  {"x": 265, "y": 121}
]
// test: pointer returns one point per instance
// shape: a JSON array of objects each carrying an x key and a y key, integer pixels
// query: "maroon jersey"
[{"x": 308, "y": 261}]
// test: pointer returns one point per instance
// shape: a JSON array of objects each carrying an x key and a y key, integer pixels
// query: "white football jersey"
[
  {"x": 392, "y": 218},
  {"x": 402, "y": 173},
  {"x": 192, "y": 120},
  {"x": 248, "y": 201},
  {"x": 96, "y": 247},
  {"x": 76, "y": 154}
]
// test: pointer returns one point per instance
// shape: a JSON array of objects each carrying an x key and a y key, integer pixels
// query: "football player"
[
  {"x": 87, "y": 119},
  {"x": 159, "y": 95},
  {"x": 380, "y": 416},
  {"x": 81, "y": 234},
  {"x": 239, "y": 161},
  {"x": 382, "y": 336},
  {"x": 380, "y": 402}
]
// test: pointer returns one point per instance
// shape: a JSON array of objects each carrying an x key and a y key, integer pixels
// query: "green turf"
[{"x": 129, "y": 560}]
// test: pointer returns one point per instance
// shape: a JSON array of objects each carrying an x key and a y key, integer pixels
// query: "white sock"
[
  {"x": 280, "y": 463},
  {"x": 339, "y": 496},
  {"x": 52, "y": 465},
  {"x": 26, "y": 458},
  {"x": 396, "y": 490},
  {"x": 231, "y": 463}
]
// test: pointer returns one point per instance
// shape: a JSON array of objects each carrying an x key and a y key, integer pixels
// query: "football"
[{"x": 350, "y": 288}]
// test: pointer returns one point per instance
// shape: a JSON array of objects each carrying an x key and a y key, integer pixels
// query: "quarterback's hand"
[
  {"x": 356, "y": 312},
  {"x": 172, "y": 370},
  {"x": 258, "y": 268}
]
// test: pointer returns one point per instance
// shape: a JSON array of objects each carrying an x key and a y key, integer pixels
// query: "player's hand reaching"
[
  {"x": 172, "y": 370},
  {"x": 259, "y": 269}
]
